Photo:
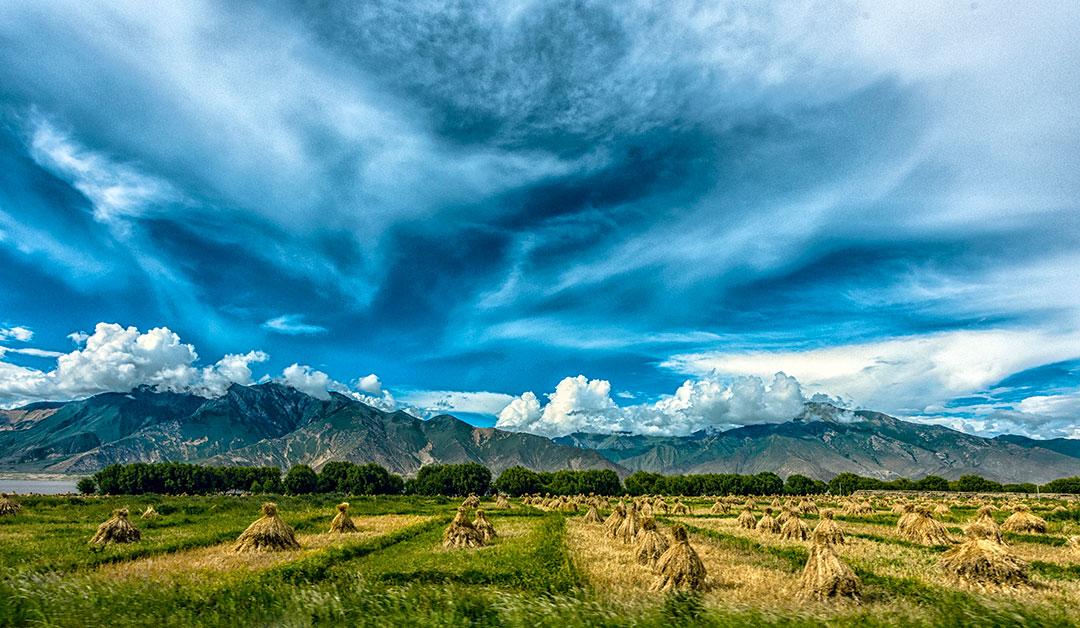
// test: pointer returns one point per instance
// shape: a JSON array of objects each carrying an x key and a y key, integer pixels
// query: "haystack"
[
  {"x": 679, "y": 567},
  {"x": 767, "y": 523},
  {"x": 794, "y": 529},
  {"x": 719, "y": 508},
  {"x": 651, "y": 543},
  {"x": 117, "y": 529},
  {"x": 9, "y": 506},
  {"x": 267, "y": 534},
  {"x": 484, "y": 527},
  {"x": 342, "y": 522},
  {"x": 472, "y": 501},
  {"x": 680, "y": 508},
  {"x": 941, "y": 509},
  {"x": 628, "y": 529},
  {"x": 808, "y": 507},
  {"x": 502, "y": 503},
  {"x": 785, "y": 514},
  {"x": 828, "y": 530},
  {"x": 1073, "y": 543},
  {"x": 984, "y": 526},
  {"x": 615, "y": 519},
  {"x": 746, "y": 520},
  {"x": 593, "y": 516},
  {"x": 859, "y": 509},
  {"x": 1023, "y": 522},
  {"x": 826, "y": 576},
  {"x": 149, "y": 514},
  {"x": 985, "y": 561},
  {"x": 662, "y": 507},
  {"x": 462, "y": 533},
  {"x": 922, "y": 528}
]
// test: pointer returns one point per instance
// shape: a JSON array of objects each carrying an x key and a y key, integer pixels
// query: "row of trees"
[{"x": 462, "y": 479}]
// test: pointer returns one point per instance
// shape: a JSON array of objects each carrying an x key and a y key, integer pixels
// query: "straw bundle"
[
  {"x": 484, "y": 527},
  {"x": 615, "y": 519},
  {"x": 267, "y": 534},
  {"x": 679, "y": 567},
  {"x": 149, "y": 514},
  {"x": 719, "y": 508},
  {"x": 922, "y": 528},
  {"x": 941, "y": 509},
  {"x": 462, "y": 533},
  {"x": 118, "y": 529},
  {"x": 827, "y": 530},
  {"x": 785, "y": 514},
  {"x": 1023, "y": 522},
  {"x": 628, "y": 529},
  {"x": 984, "y": 561},
  {"x": 767, "y": 523},
  {"x": 593, "y": 516},
  {"x": 651, "y": 544},
  {"x": 680, "y": 508},
  {"x": 826, "y": 576},
  {"x": 8, "y": 506},
  {"x": 342, "y": 522},
  {"x": 746, "y": 520},
  {"x": 472, "y": 501},
  {"x": 502, "y": 503},
  {"x": 794, "y": 529},
  {"x": 808, "y": 507},
  {"x": 662, "y": 507},
  {"x": 858, "y": 509},
  {"x": 984, "y": 526}
]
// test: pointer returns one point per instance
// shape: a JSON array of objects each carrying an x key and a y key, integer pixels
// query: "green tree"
[
  {"x": 334, "y": 475},
  {"x": 86, "y": 486},
  {"x": 932, "y": 483},
  {"x": 1062, "y": 485},
  {"x": 643, "y": 483},
  {"x": 797, "y": 484},
  {"x": 975, "y": 484},
  {"x": 518, "y": 481},
  {"x": 301, "y": 480}
]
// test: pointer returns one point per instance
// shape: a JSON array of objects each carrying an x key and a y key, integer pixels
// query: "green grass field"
[{"x": 544, "y": 569}]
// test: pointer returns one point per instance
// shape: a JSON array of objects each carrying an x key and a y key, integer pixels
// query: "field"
[{"x": 545, "y": 568}]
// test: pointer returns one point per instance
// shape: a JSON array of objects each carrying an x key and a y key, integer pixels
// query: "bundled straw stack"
[
  {"x": 461, "y": 533},
  {"x": 984, "y": 526},
  {"x": 593, "y": 516},
  {"x": 794, "y": 529},
  {"x": 502, "y": 503},
  {"x": 679, "y": 567},
  {"x": 767, "y": 523},
  {"x": 746, "y": 519},
  {"x": 342, "y": 523},
  {"x": 472, "y": 501},
  {"x": 149, "y": 514},
  {"x": 117, "y": 529},
  {"x": 267, "y": 534},
  {"x": 484, "y": 527},
  {"x": 680, "y": 508},
  {"x": 921, "y": 527},
  {"x": 825, "y": 575},
  {"x": 982, "y": 560},
  {"x": 628, "y": 529},
  {"x": 8, "y": 506},
  {"x": 1023, "y": 522},
  {"x": 651, "y": 543},
  {"x": 827, "y": 530},
  {"x": 719, "y": 508},
  {"x": 615, "y": 519}
]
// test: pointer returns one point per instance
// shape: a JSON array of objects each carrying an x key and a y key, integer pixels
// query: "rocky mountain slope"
[{"x": 825, "y": 441}]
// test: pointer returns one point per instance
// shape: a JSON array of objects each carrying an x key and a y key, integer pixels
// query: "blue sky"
[{"x": 556, "y": 216}]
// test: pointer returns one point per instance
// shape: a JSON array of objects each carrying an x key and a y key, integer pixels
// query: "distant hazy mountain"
[
  {"x": 271, "y": 424},
  {"x": 825, "y": 441},
  {"x": 255, "y": 425}
]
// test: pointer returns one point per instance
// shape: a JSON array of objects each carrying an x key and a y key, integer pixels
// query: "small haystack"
[
  {"x": 828, "y": 530},
  {"x": 593, "y": 516},
  {"x": 859, "y": 509},
  {"x": 746, "y": 520},
  {"x": 651, "y": 544},
  {"x": 984, "y": 526},
  {"x": 484, "y": 527},
  {"x": 826, "y": 576},
  {"x": 679, "y": 567},
  {"x": 502, "y": 503},
  {"x": 922, "y": 528},
  {"x": 719, "y": 508},
  {"x": 907, "y": 513},
  {"x": 462, "y": 533},
  {"x": 767, "y": 523},
  {"x": 985, "y": 561},
  {"x": 941, "y": 509},
  {"x": 1073, "y": 543},
  {"x": 8, "y": 506},
  {"x": 472, "y": 501},
  {"x": 785, "y": 514},
  {"x": 117, "y": 529},
  {"x": 628, "y": 529},
  {"x": 680, "y": 508},
  {"x": 267, "y": 534},
  {"x": 807, "y": 507},
  {"x": 794, "y": 529},
  {"x": 149, "y": 514},
  {"x": 615, "y": 519},
  {"x": 342, "y": 522},
  {"x": 1023, "y": 522}
]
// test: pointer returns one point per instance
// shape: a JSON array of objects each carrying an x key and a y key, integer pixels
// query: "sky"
[{"x": 549, "y": 216}]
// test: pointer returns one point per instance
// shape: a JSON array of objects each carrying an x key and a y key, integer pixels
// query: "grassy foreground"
[{"x": 544, "y": 569}]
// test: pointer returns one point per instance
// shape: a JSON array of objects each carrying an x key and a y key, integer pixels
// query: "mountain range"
[{"x": 273, "y": 424}]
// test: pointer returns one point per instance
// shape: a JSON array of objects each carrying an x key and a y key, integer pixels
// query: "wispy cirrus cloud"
[{"x": 293, "y": 325}]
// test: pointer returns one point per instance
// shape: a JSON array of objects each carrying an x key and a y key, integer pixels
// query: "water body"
[{"x": 41, "y": 487}]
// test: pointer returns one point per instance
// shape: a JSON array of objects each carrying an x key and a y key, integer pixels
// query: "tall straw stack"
[
  {"x": 679, "y": 567},
  {"x": 8, "y": 507},
  {"x": 922, "y": 528},
  {"x": 118, "y": 529},
  {"x": 267, "y": 534},
  {"x": 828, "y": 530},
  {"x": 461, "y": 533},
  {"x": 794, "y": 529},
  {"x": 628, "y": 529},
  {"x": 614, "y": 520},
  {"x": 651, "y": 543},
  {"x": 484, "y": 527},
  {"x": 826, "y": 576},
  {"x": 746, "y": 520},
  {"x": 342, "y": 523},
  {"x": 767, "y": 523},
  {"x": 984, "y": 526}
]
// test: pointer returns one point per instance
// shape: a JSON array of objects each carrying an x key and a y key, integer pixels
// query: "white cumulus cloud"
[{"x": 22, "y": 334}]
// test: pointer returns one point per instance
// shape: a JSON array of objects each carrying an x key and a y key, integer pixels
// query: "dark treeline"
[{"x": 173, "y": 478}]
